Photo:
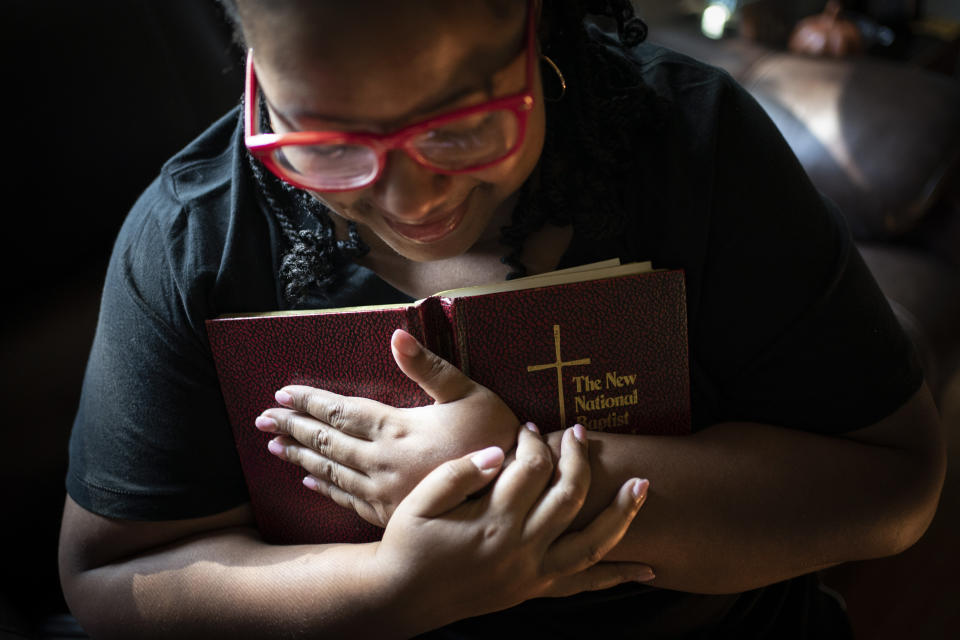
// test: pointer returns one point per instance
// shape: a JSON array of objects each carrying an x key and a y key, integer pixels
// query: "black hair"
[{"x": 574, "y": 181}]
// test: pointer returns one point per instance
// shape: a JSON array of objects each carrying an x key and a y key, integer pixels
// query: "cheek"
[
  {"x": 536, "y": 132},
  {"x": 513, "y": 172}
]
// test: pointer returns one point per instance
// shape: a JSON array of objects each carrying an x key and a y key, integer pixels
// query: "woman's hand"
[
  {"x": 367, "y": 456},
  {"x": 452, "y": 557}
]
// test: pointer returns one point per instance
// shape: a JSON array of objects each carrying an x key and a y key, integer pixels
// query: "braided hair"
[
  {"x": 314, "y": 257},
  {"x": 578, "y": 169},
  {"x": 573, "y": 185}
]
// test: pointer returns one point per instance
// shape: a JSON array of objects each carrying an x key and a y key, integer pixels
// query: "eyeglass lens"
[
  {"x": 467, "y": 142},
  {"x": 329, "y": 166}
]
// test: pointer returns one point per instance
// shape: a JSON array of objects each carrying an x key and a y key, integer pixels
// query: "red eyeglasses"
[{"x": 459, "y": 141}]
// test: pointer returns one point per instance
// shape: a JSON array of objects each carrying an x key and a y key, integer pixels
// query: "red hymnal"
[{"x": 604, "y": 345}]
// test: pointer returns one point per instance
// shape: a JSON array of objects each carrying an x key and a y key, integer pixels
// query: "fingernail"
[
  {"x": 406, "y": 343},
  {"x": 644, "y": 574},
  {"x": 265, "y": 423},
  {"x": 489, "y": 458},
  {"x": 276, "y": 449},
  {"x": 311, "y": 483},
  {"x": 283, "y": 397},
  {"x": 532, "y": 427},
  {"x": 579, "y": 432},
  {"x": 639, "y": 489}
]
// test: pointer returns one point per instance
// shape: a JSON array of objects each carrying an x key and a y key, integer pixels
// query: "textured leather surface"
[
  {"x": 632, "y": 329},
  {"x": 630, "y": 326},
  {"x": 345, "y": 353}
]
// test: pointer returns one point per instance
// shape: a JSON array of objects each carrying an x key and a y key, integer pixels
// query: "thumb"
[
  {"x": 441, "y": 380},
  {"x": 450, "y": 484}
]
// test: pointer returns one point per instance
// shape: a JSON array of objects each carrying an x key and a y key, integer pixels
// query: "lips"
[{"x": 432, "y": 230}]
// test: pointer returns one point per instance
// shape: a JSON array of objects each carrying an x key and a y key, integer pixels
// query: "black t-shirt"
[{"x": 786, "y": 326}]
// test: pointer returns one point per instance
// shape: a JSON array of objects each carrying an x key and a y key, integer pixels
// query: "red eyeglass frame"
[{"x": 262, "y": 145}]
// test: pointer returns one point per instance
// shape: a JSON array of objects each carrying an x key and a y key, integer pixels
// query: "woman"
[{"x": 815, "y": 439}]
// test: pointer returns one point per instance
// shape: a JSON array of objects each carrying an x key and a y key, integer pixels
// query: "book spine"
[
  {"x": 437, "y": 333},
  {"x": 413, "y": 324},
  {"x": 458, "y": 323}
]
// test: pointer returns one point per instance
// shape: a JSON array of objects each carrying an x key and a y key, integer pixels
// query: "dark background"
[{"x": 97, "y": 95}]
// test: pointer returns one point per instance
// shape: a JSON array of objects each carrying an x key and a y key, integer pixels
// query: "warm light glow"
[{"x": 714, "y": 20}]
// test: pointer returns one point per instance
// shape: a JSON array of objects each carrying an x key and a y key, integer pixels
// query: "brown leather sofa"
[{"x": 881, "y": 138}]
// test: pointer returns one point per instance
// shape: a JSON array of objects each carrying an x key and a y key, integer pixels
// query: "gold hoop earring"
[{"x": 563, "y": 81}]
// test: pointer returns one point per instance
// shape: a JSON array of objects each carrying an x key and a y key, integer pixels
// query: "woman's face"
[{"x": 376, "y": 66}]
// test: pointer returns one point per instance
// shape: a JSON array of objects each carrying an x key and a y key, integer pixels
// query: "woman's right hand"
[{"x": 448, "y": 557}]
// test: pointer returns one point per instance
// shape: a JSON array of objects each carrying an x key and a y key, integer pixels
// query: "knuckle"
[
  {"x": 381, "y": 467},
  {"x": 569, "y": 497},
  {"x": 396, "y": 431},
  {"x": 329, "y": 472},
  {"x": 345, "y": 500},
  {"x": 312, "y": 403},
  {"x": 340, "y": 498},
  {"x": 537, "y": 463},
  {"x": 389, "y": 429},
  {"x": 378, "y": 425},
  {"x": 321, "y": 442},
  {"x": 291, "y": 453},
  {"x": 282, "y": 418},
  {"x": 593, "y": 582},
  {"x": 491, "y": 530},
  {"x": 437, "y": 367},
  {"x": 597, "y": 581},
  {"x": 595, "y": 553},
  {"x": 336, "y": 414},
  {"x": 453, "y": 472}
]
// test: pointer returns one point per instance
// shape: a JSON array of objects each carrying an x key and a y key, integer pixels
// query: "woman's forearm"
[
  {"x": 444, "y": 556},
  {"x": 229, "y": 582},
  {"x": 738, "y": 506}
]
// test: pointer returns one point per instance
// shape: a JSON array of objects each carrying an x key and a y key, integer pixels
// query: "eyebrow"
[
  {"x": 467, "y": 67},
  {"x": 306, "y": 114}
]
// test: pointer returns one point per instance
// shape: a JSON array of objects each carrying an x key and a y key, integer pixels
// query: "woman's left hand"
[{"x": 367, "y": 456}]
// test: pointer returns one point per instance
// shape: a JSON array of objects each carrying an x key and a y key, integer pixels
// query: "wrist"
[
  {"x": 398, "y": 603},
  {"x": 385, "y": 611}
]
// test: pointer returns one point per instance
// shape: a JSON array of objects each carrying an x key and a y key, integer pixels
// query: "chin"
[{"x": 430, "y": 252}]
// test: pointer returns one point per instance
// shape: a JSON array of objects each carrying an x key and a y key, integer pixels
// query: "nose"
[{"x": 407, "y": 190}]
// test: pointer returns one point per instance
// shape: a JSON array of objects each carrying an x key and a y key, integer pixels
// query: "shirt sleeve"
[
  {"x": 151, "y": 439},
  {"x": 793, "y": 330}
]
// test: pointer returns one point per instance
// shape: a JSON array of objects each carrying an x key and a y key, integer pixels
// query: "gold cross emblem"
[{"x": 558, "y": 365}]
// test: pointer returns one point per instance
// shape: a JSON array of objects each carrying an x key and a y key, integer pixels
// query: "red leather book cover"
[
  {"x": 347, "y": 353},
  {"x": 610, "y": 354}
]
